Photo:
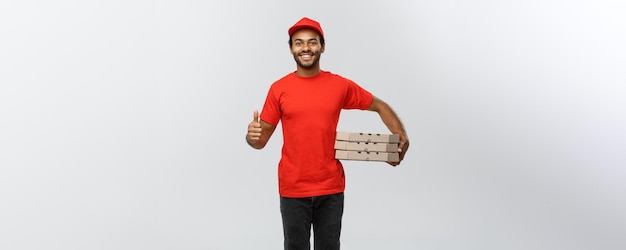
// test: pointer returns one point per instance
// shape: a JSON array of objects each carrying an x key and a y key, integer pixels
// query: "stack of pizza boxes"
[{"x": 367, "y": 147}]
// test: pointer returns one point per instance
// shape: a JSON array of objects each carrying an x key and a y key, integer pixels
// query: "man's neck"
[{"x": 302, "y": 72}]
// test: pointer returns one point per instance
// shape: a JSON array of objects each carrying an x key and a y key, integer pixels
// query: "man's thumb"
[{"x": 255, "y": 116}]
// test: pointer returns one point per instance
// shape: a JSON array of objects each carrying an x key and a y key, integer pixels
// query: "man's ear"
[{"x": 323, "y": 48}]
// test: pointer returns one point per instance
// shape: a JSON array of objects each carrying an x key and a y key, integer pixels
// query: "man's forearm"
[
  {"x": 388, "y": 116},
  {"x": 392, "y": 121}
]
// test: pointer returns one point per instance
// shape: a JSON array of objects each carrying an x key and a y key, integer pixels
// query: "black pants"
[{"x": 323, "y": 212}]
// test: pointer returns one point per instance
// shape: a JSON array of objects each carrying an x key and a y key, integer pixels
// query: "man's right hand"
[{"x": 254, "y": 130}]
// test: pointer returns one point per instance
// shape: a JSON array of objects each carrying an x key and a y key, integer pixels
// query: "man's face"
[{"x": 306, "y": 48}]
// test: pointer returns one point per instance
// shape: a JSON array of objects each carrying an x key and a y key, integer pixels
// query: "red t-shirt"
[{"x": 309, "y": 109}]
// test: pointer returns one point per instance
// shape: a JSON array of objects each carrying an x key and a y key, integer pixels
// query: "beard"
[{"x": 310, "y": 64}]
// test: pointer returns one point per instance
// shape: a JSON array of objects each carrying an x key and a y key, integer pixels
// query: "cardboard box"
[
  {"x": 366, "y": 156},
  {"x": 366, "y": 146},
  {"x": 368, "y": 137}
]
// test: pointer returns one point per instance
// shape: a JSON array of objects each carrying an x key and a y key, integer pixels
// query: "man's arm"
[
  {"x": 259, "y": 132},
  {"x": 393, "y": 123}
]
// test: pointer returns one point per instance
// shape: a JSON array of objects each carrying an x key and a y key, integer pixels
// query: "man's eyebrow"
[{"x": 300, "y": 39}]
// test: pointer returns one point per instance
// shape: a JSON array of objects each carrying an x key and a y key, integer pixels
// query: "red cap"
[{"x": 306, "y": 23}]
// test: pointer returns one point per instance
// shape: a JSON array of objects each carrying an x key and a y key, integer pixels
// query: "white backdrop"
[{"x": 122, "y": 123}]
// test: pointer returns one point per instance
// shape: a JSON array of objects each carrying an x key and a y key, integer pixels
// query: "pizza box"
[
  {"x": 366, "y": 146},
  {"x": 366, "y": 156},
  {"x": 368, "y": 137}
]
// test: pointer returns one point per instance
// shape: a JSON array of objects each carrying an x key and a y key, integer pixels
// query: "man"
[{"x": 308, "y": 103}]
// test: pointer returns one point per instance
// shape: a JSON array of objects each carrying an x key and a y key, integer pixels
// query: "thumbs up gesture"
[{"x": 254, "y": 130}]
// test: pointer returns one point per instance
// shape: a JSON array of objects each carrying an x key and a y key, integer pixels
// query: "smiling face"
[{"x": 307, "y": 49}]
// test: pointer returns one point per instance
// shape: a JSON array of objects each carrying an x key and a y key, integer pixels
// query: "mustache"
[{"x": 307, "y": 53}]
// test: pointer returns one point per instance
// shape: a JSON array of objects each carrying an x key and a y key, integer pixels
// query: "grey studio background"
[{"x": 122, "y": 123}]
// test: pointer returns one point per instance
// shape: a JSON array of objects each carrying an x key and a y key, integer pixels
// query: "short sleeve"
[
  {"x": 271, "y": 109},
  {"x": 356, "y": 97}
]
